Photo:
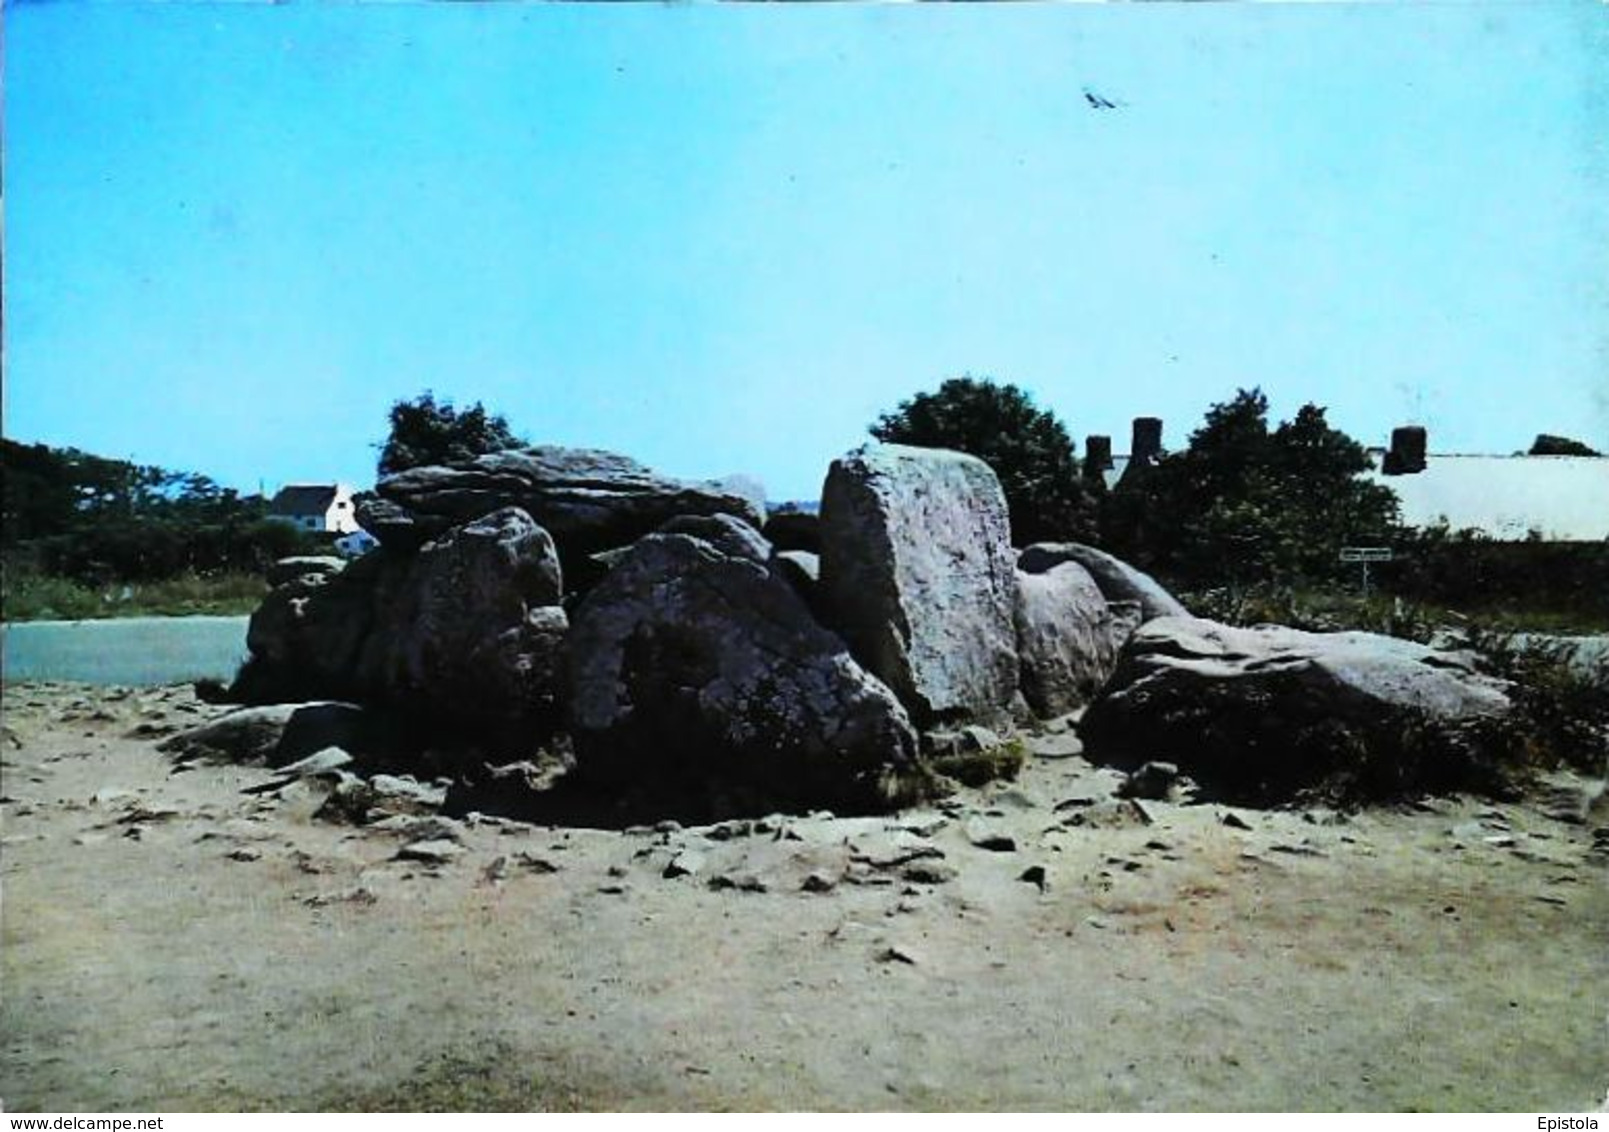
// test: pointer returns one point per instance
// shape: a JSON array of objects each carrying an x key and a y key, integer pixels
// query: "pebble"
[
  {"x": 993, "y": 840},
  {"x": 684, "y": 864},
  {"x": 928, "y": 872},
  {"x": 433, "y": 852},
  {"x": 531, "y": 863}
]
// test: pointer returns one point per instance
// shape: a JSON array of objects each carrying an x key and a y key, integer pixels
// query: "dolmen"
[{"x": 563, "y": 599}]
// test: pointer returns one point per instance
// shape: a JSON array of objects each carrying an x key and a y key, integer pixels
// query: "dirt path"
[{"x": 174, "y": 943}]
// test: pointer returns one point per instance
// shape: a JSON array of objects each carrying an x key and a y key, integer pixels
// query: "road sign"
[{"x": 1365, "y": 555}]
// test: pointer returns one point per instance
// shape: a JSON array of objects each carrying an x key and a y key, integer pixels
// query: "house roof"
[
  {"x": 1564, "y": 498},
  {"x": 303, "y": 499}
]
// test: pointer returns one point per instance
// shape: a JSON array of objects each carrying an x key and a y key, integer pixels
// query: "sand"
[{"x": 172, "y": 942}]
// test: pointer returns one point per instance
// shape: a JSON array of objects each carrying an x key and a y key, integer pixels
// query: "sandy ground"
[{"x": 172, "y": 942}]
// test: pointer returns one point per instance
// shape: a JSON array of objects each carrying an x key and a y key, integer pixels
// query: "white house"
[
  {"x": 1561, "y": 498},
  {"x": 315, "y": 507}
]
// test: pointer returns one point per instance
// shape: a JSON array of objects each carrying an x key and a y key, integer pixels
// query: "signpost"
[{"x": 1363, "y": 555}]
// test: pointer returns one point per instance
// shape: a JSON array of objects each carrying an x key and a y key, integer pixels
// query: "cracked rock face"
[
  {"x": 306, "y": 636},
  {"x": 468, "y": 629},
  {"x": 472, "y": 627},
  {"x": 588, "y": 499},
  {"x": 1267, "y": 712},
  {"x": 694, "y": 665},
  {"x": 918, "y": 573}
]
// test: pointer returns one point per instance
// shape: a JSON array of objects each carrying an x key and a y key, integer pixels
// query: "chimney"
[
  {"x": 1097, "y": 453},
  {"x": 1407, "y": 453},
  {"x": 1097, "y": 459},
  {"x": 1147, "y": 445}
]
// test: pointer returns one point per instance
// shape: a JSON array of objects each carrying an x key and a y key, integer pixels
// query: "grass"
[
  {"x": 43, "y": 597},
  {"x": 1329, "y": 610},
  {"x": 1561, "y": 715},
  {"x": 493, "y": 1079},
  {"x": 976, "y": 768}
]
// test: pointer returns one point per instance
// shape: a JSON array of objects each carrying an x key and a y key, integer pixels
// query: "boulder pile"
[
  {"x": 1268, "y": 712},
  {"x": 571, "y": 600}
]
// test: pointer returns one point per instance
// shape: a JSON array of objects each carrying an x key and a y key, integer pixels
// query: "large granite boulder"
[
  {"x": 1067, "y": 638},
  {"x": 467, "y": 629},
  {"x": 918, "y": 574},
  {"x": 307, "y": 634},
  {"x": 1117, "y": 580},
  {"x": 695, "y": 671},
  {"x": 1266, "y": 713},
  {"x": 589, "y": 500},
  {"x": 470, "y": 627}
]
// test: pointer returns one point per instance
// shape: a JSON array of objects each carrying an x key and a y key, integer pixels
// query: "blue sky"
[{"x": 725, "y": 238}]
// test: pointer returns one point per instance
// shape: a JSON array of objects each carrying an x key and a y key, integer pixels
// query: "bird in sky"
[{"x": 1099, "y": 102}]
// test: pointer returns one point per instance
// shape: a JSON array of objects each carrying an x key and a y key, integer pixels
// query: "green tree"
[
  {"x": 1027, "y": 447},
  {"x": 92, "y": 519},
  {"x": 1245, "y": 503},
  {"x": 425, "y": 431}
]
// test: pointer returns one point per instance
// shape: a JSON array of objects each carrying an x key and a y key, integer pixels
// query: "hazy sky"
[{"x": 725, "y": 238}]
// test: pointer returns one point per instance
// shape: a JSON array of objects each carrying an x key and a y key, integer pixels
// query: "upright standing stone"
[{"x": 918, "y": 574}]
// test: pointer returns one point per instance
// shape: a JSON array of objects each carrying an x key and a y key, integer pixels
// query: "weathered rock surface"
[
  {"x": 1067, "y": 638},
  {"x": 278, "y": 734},
  {"x": 324, "y": 761},
  {"x": 1118, "y": 581},
  {"x": 1267, "y": 712},
  {"x": 392, "y": 524},
  {"x": 791, "y": 527},
  {"x": 306, "y": 636},
  {"x": 470, "y": 628},
  {"x": 802, "y": 565},
  {"x": 692, "y": 669},
  {"x": 803, "y": 572},
  {"x": 467, "y": 628},
  {"x": 917, "y": 572},
  {"x": 589, "y": 500},
  {"x": 317, "y": 565},
  {"x": 726, "y": 533}
]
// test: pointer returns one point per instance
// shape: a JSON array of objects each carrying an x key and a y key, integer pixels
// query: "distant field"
[
  {"x": 43, "y": 597},
  {"x": 129, "y": 650}
]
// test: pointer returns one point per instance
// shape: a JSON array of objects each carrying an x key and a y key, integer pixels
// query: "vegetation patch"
[
  {"x": 1561, "y": 704},
  {"x": 977, "y": 768},
  {"x": 31, "y": 596}
]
